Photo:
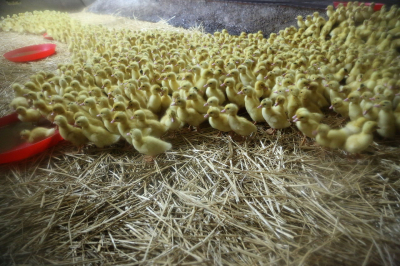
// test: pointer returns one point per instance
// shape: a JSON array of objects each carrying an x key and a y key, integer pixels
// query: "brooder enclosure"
[{"x": 272, "y": 198}]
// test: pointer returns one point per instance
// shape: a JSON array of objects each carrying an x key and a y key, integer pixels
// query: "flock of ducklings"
[{"x": 139, "y": 85}]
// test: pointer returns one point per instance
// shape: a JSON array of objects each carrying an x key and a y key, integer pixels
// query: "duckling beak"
[
  {"x": 206, "y": 104},
  {"x": 98, "y": 115},
  {"x": 295, "y": 120},
  {"x": 276, "y": 104},
  {"x": 222, "y": 85},
  {"x": 294, "y": 117},
  {"x": 260, "y": 106},
  {"x": 173, "y": 104},
  {"x": 206, "y": 116},
  {"x": 205, "y": 86},
  {"x": 331, "y": 107},
  {"x": 377, "y": 105},
  {"x": 287, "y": 90},
  {"x": 223, "y": 111},
  {"x": 346, "y": 100},
  {"x": 315, "y": 132},
  {"x": 128, "y": 134},
  {"x": 112, "y": 121},
  {"x": 240, "y": 92},
  {"x": 172, "y": 119}
]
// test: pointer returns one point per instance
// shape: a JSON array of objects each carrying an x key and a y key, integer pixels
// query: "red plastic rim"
[
  {"x": 30, "y": 53},
  {"x": 377, "y": 6},
  {"x": 25, "y": 150},
  {"x": 48, "y": 37}
]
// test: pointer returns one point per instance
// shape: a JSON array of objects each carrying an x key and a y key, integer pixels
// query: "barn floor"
[{"x": 210, "y": 200}]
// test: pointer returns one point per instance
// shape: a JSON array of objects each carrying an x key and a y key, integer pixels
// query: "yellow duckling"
[
  {"x": 156, "y": 129},
  {"x": 148, "y": 145},
  {"x": 245, "y": 76},
  {"x": 213, "y": 90},
  {"x": 275, "y": 116},
  {"x": 69, "y": 132},
  {"x": 154, "y": 103},
  {"x": 340, "y": 107},
  {"x": 19, "y": 101},
  {"x": 106, "y": 115},
  {"x": 213, "y": 102},
  {"x": 251, "y": 104},
  {"x": 37, "y": 134},
  {"x": 98, "y": 135},
  {"x": 58, "y": 109},
  {"x": 134, "y": 106},
  {"x": 28, "y": 115},
  {"x": 359, "y": 142},
  {"x": 386, "y": 120},
  {"x": 293, "y": 101},
  {"x": 188, "y": 115},
  {"x": 165, "y": 99},
  {"x": 171, "y": 121},
  {"x": 124, "y": 125},
  {"x": 239, "y": 125},
  {"x": 217, "y": 120},
  {"x": 331, "y": 138},
  {"x": 232, "y": 92},
  {"x": 205, "y": 76},
  {"x": 195, "y": 101},
  {"x": 91, "y": 104},
  {"x": 305, "y": 124},
  {"x": 355, "y": 110}
]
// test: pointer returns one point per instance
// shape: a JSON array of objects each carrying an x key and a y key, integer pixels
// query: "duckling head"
[
  {"x": 24, "y": 134},
  {"x": 82, "y": 121},
  {"x": 265, "y": 103},
  {"x": 139, "y": 115},
  {"x": 212, "y": 112},
  {"x": 60, "y": 120},
  {"x": 136, "y": 134},
  {"x": 230, "y": 109}
]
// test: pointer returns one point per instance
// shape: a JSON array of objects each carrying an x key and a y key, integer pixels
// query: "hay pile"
[{"x": 210, "y": 201}]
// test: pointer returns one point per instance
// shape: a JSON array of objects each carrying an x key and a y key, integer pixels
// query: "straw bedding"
[{"x": 210, "y": 201}]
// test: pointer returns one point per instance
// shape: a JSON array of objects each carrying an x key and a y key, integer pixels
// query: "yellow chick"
[
  {"x": 69, "y": 132},
  {"x": 232, "y": 92},
  {"x": 205, "y": 76},
  {"x": 148, "y": 145},
  {"x": 154, "y": 103},
  {"x": 124, "y": 125},
  {"x": 37, "y": 134},
  {"x": 217, "y": 120},
  {"x": 98, "y": 135},
  {"x": 214, "y": 102},
  {"x": 28, "y": 115},
  {"x": 165, "y": 99},
  {"x": 355, "y": 110},
  {"x": 134, "y": 106},
  {"x": 93, "y": 121},
  {"x": 239, "y": 125},
  {"x": 106, "y": 115},
  {"x": 305, "y": 124},
  {"x": 293, "y": 101},
  {"x": 156, "y": 129},
  {"x": 19, "y": 101},
  {"x": 340, "y": 107},
  {"x": 91, "y": 104},
  {"x": 195, "y": 101},
  {"x": 359, "y": 142},
  {"x": 251, "y": 103},
  {"x": 386, "y": 120},
  {"x": 213, "y": 90},
  {"x": 58, "y": 109},
  {"x": 331, "y": 138},
  {"x": 188, "y": 115},
  {"x": 275, "y": 116},
  {"x": 171, "y": 121}
]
